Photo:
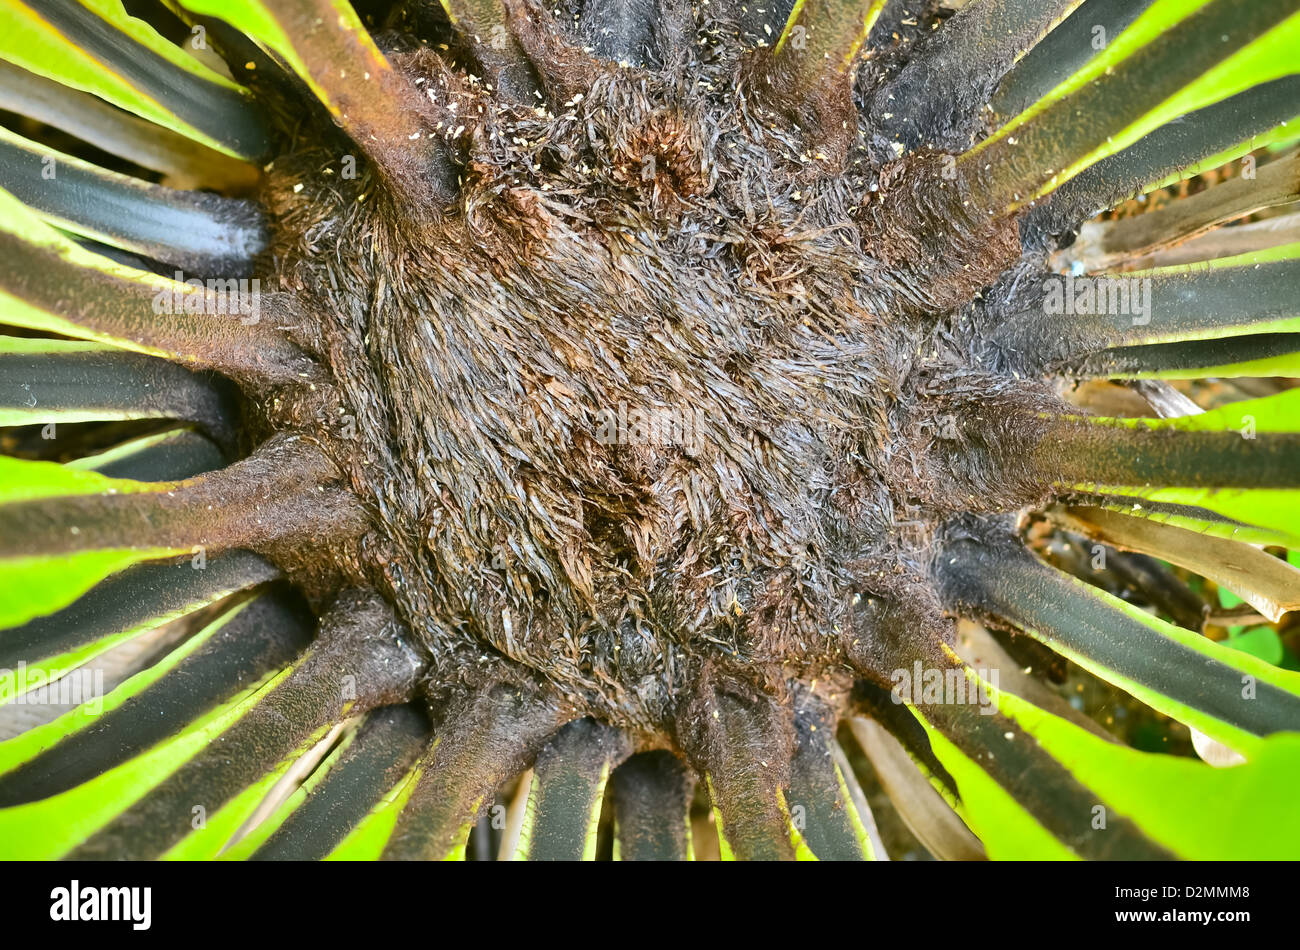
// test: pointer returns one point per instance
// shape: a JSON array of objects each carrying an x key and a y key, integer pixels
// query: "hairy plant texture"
[{"x": 639, "y": 393}]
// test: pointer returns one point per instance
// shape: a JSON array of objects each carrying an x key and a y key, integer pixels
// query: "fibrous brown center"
[{"x": 665, "y": 389}]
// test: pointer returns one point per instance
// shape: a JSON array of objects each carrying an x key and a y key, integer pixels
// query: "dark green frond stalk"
[
  {"x": 826, "y": 805},
  {"x": 1256, "y": 354},
  {"x": 1232, "y": 124},
  {"x": 1075, "y": 317},
  {"x": 1090, "y": 28},
  {"x": 808, "y": 75},
  {"x": 1222, "y": 692},
  {"x": 568, "y": 787},
  {"x": 282, "y": 497},
  {"x": 484, "y": 26},
  {"x": 652, "y": 800},
  {"x": 358, "y": 662},
  {"x": 201, "y": 233},
  {"x": 742, "y": 742},
  {"x": 233, "y": 652},
  {"x": 164, "y": 457},
  {"x": 327, "y": 46},
  {"x": 1081, "y": 453},
  {"x": 133, "y": 67},
  {"x": 1048, "y": 145},
  {"x": 139, "y": 599},
  {"x": 822, "y": 38},
  {"x": 384, "y": 749},
  {"x": 56, "y": 286},
  {"x": 483, "y": 739},
  {"x": 937, "y": 97},
  {"x": 1037, "y": 782},
  {"x": 69, "y": 383},
  {"x": 188, "y": 164}
]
